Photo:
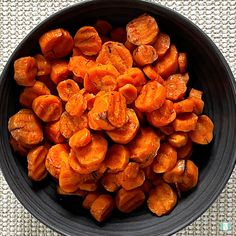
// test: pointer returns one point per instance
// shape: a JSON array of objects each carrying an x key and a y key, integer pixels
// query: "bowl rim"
[{"x": 3, "y": 163}]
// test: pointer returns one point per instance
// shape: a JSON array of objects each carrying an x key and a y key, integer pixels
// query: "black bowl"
[{"x": 208, "y": 72}]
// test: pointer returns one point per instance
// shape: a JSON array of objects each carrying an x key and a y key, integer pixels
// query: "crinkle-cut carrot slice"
[
  {"x": 79, "y": 65},
  {"x": 163, "y": 116},
  {"x": 144, "y": 145},
  {"x": 116, "y": 54},
  {"x": 126, "y": 133},
  {"x": 165, "y": 159},
  {"x": 56, "y": 43},
  {"x": 162, "y": 199},
  {"x": 100, "y": 77},
  {"x": 89, "y": 199},
  {"x": 168, "y": 64},
  {"x": 151, "y": 97},
  {"x": 144, "y": 55},
  {"x": 88, "y": 41},
  {"x": 142, "y": 30},
  {"x": 162, "y": 44},
  {"x": 185, "y": 122},
  {"x": 203, "y": 132}
]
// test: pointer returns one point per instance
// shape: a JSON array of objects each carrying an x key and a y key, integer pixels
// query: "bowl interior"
[{"x": 208, "y": 72}]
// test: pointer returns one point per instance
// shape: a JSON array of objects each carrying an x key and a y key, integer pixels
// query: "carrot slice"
[
  {"x": 186, "y": 105},
  {"x": 117, "y": 158},
  {"x": 126, "y": 133},
  {"x": 144, "y": 54},
  {"x": 165, "y": 160},
  {"x": 152, "y": 74},
  {"x": 203, "y": 133},
  {"x": 178, "y": 139},
  {"x": 151, "y": 97},
  {"x": 175, "y": 87},
  {"x": 162, "y": 199},
  {"x": 130, "y": 93},
  {"x": 89, "y": 199},
  {"x": 142, "y": 30},
  {"x": 88, "y": 41},
  {"x": 116, "y": 54},
  {"x": 80, "y": 139},
  {"x": 43, "y": 65},
  {"x": 110, "y": 182},
  {"x": 144, "y": 145},
  {"x": 128, "y": 201},
  {"x": 196, "y": 96},
  {"x": 163, "y": 116},
  {"x": 169, "y": 63},
  {"x": 162, "y": 44},
  {"x": 59, "y": 71},
  {"x": 185, "y": 122}
]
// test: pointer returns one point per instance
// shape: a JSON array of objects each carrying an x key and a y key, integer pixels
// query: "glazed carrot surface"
[{"x": 108, "y": 114}]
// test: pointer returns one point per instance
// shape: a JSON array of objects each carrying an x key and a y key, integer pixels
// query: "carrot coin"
[{"x": 162, "y": 44}]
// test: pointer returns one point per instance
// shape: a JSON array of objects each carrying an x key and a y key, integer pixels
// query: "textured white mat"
[{"x": 216, "y": 18}]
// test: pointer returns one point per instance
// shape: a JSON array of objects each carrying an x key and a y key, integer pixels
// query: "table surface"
[{"x": 216, "y": 18}]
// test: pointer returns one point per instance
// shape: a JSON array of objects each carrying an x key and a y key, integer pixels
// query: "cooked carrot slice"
[
  {"x": 76, "y": 105},
  {"x": 36, "y": 163},
  {"x": 174, "y": 175},
  {"x": 18, "y": 147},
  {"x": 52, "y": 132},
  {"x": 162, "y": 44},
  {"x": 132, "y": 76},
  {"x": 116, "y": 54},
  {"x": 25, "y": 71},
  {"x": 57, "y": 155},
  {"x": 77, "y": 167},
  {"x": 93, "y": 153},
  {"x": 144, "y": 145},
  {"x": 69, "y": 180},
  {"x": 169, "y": 63},
  {"x": 162, "y": 199},
  {"x": 88, "y": 41},
  {"x": 142, "y": 30},
  {"x": 163, "y": 116},
  {"x": 178, "y": 139},
  {"x": 101, "y": 77},
  {"x": 59, "y": 71},
  {"x": 103, "y": 27},
  {"x": 196, "y": 96},
  {"x": 89, "y": 199},
  {"x": 117, "y": 158},
  {"x": 43, "y": 65},
  {"x": 47, "y": 107},
  {"x": 78, "y": 192},
  {"x": 56, "y": 43},
  {"x": 71, "y": 124},
  {"x": 80, "y": 138},
  {"x": 110, "y": 182},
  {"x": 175, "y": 87},
  {"x": 130, "y": 93},
  {"x": 89, "y": 186},
  {"x": 25, "y": 127},
  {"x": 185, "y": 151},
  {"x": 129, "y": 46},
  {"x": 152, "y": 74},
  {"x": 119, "y": 35},
  {"x": 128, "y": 201},
  {"x": 167, "y": 129},
  {"x": 67, "y": 88},
  {"x": 79, "y": 65},
  {"x": 183, "y": 106},
  {"x": 102, "y": 207},
  {"x": 144, "y": 54},
  {"x": 190, "y": 177},
  {"x": 182, "y": 61},
  {"x": 151, "y": 97},
  {"x": 165, "y": 160},
  {"x": 30, "y": 93},
  {"x": 126, "y": 133},
  {"x": 116, "y": 112},
  {"x": 185, "y": 122},
  {"x": 203, "y": 133}
]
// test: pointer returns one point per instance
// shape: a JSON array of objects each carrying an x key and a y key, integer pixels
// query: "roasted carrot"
[
  {"x": 110, "y": 182},
  {"x": 186, "y": 105},
  {"x": 185, "y": 122},
  {"x": 162, "y": 44},
  {"x": 152, "y": 74},
  {"x": 59, "y": 71},
  {"x": 185, "y": 151},
  {"x": 43, "y": 65},
  {"x": 178, "y": 139},
  {"x": 129, "y": 91},
  {"x": 89, "y": 199},
  {"x": 80, "y": 139}
]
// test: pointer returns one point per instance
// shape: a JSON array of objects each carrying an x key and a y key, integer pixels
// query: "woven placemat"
[{"x": 216, "y": 18}]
